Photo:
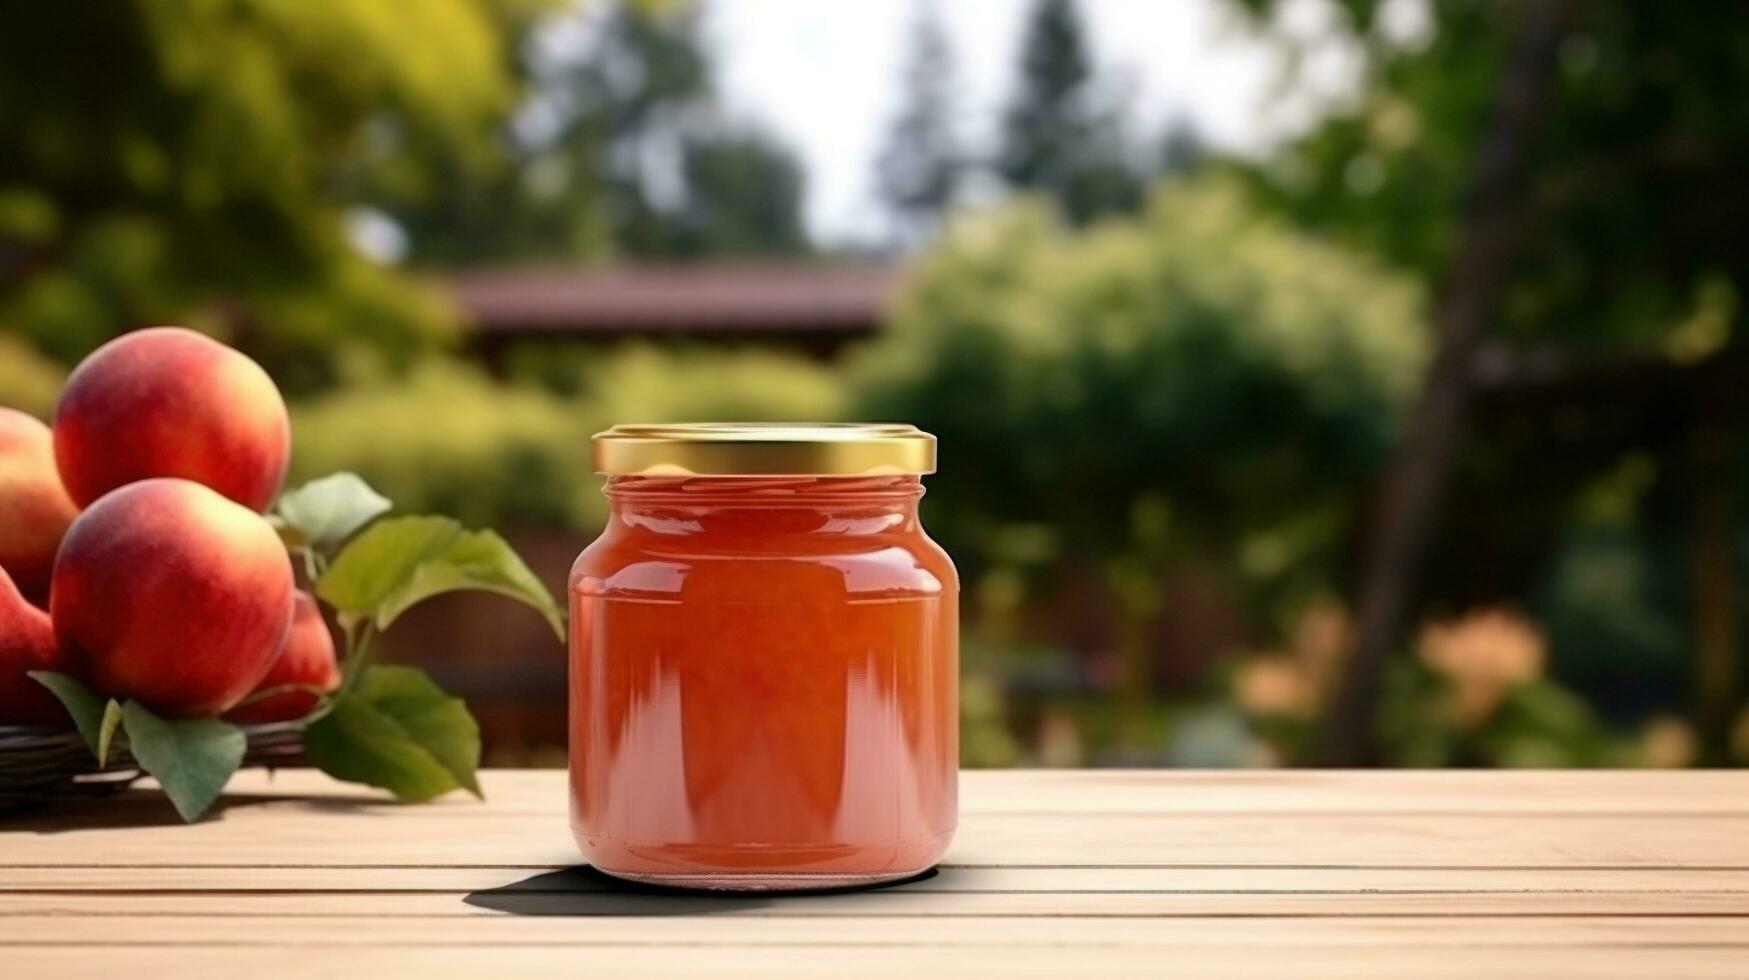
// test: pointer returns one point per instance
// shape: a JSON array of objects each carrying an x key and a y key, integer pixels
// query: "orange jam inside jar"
[{"x": 764, "y": 673}]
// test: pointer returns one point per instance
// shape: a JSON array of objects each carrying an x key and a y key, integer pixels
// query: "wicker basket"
[{"x": 39, "y": 766}]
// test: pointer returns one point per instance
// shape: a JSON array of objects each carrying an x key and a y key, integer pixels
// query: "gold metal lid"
[{"x": 764, "y": 449}]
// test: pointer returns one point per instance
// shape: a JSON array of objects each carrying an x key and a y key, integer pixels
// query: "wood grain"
[{"x": 1053, "y": 873}]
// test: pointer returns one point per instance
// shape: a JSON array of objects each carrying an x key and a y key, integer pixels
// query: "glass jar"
[{"x": 764, "y": 660}]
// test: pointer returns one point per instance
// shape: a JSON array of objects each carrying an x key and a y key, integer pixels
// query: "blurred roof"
[{"x": 808, "y": 298}]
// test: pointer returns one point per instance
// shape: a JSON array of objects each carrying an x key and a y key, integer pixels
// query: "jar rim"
[{"x": 764, "y": 449}]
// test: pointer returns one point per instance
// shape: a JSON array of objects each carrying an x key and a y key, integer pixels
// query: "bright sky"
[{"x": 824, "y": 75}]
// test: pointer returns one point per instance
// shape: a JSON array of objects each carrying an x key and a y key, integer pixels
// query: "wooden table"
[{"x": 1091, "y": 873}]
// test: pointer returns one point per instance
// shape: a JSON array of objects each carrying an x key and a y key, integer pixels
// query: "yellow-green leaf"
[{"x": 397, "y": 563}]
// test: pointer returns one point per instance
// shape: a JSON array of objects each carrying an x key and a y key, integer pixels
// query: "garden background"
[{"x": 1412, "y": 437}]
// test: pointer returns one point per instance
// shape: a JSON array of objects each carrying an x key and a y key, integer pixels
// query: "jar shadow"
[{"x": 584, "y": 891}]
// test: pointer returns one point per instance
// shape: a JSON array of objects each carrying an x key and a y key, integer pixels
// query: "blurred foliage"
[
  {"x": 158, "y": 160},
  {"x": 1613, "y": 605},
  {"x": 623, "y": 150},
  {"x": 1475, "y": 693},
  {"x": 1153, "y": 394},
  {"x": 680, "y": 386},
  {"x": 1057, "y": 137},
  {"x": 987, "y": 738},
  {"x": 446, "y": 438},
  {"x": 1265, "y": 705},
  {"x": 1631, "y": 252},
  {"x": 1631, "y": 255},
  {"x": 1538, "y": 724},
  {"x": 1639, "y": 222},
  {"x": 922, "y": 163},
  {"x": 1263, "y": 372},
  {"x": 29, "y": 382},
  {"x": 1740, "y": 739}
]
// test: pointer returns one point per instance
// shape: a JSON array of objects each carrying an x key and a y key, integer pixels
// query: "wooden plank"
[
  {"x": 292, "y": 833},
  {"x": 537, "y": 792},
  {"x": 1342, "y": 792},
  {"x": 392, "y": 879},
  {"x": 1380, "y": 840},
  {"x": 989, "y": 932},
  {"x": 435, "y": 907},
  {"x": 1251, "y": 962},
  {"x": 1224, "y": 874}
]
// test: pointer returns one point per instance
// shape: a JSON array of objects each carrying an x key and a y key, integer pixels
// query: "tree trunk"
[{"x": 1492, "y": 225}]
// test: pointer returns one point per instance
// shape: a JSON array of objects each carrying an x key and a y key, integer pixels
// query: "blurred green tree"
[
  {"x": 1056, "y": 137},
  {"x": 742, "y": 196},
  {"x": 1566, "y": 178},
  {"x": 1631, "y": 177},
  {"x": 1199, "y": 387},
  {"x": 1181, "y": 148},
  {"x": 447, "y": 438},
  {"x": 920, "y": 167},
  {"x": 200, "y": 162},
  {"x": 623, "y": 149}
]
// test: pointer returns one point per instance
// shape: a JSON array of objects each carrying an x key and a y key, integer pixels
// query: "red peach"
[
  {"x": 307, "y": 660},
  {"x": 27, "y": 642},
  {"x": 171, "y": 402},
  {"x": 167, "y": 593},
  {"x": 34, "y": 508}
]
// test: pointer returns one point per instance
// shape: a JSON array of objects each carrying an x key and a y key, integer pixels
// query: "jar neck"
[{"x": 839, "y": 505}]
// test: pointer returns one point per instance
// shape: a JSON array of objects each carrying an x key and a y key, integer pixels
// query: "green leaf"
[
  {"x": 88, "y": 709},
  {"x": 106, "y": 731},
  {"x": 326, "y": 512},
  {"x": 400, "y": 562},
  {"x": 397, "y": 730},
  {"x": 381, "y": 559},
  {"x": 192, "y": 758},
  {"x": 476, "y": 560}
]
